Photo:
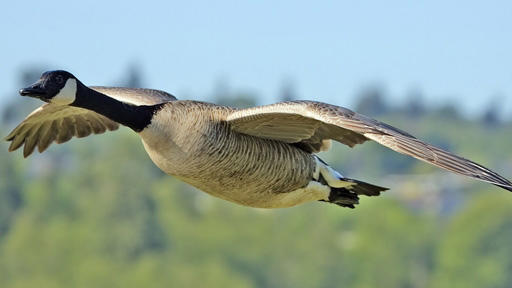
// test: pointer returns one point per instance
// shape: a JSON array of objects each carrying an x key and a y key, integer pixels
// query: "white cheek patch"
[{"x": 67, "y": 94}]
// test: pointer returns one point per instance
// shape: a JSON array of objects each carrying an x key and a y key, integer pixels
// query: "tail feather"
[
  {"x": 349, "y": 196},
  {"x": 363, "y": 188},
  {"x": 343, "y": 191}
]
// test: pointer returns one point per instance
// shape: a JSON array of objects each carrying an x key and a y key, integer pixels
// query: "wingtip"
[
  {"x": 15, "y": 145},
  {"x": 9, "y": 137},
  {"x": 14, "y": 132},
  {"x": 506, "y": 187}
]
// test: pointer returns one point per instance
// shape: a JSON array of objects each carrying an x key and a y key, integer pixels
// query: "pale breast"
[{"x": 191, "y": 141}]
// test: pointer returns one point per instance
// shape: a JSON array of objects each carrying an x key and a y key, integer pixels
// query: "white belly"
[{"x": 313, "y": 192}]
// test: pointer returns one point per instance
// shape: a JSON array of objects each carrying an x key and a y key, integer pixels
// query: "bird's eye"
[{"x": 59, "y": 79}]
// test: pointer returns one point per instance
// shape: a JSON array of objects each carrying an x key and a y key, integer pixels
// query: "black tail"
[
  {"x": 363, "y": 188},
  {"x": 349, "y": 196}
]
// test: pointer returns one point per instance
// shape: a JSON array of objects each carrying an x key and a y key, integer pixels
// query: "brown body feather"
[{"x": 192, "y": 141}]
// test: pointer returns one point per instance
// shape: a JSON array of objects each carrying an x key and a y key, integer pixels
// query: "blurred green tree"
[{"x": 96, "y": 212}]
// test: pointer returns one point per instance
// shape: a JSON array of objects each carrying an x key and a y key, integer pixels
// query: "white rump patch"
[
  {"x": 312, "y": 192},
  {"x": 331, "y": 176},
  {"x": 67, "y": 94}
]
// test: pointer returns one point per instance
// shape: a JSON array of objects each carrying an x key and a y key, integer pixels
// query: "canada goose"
[{"x": 259, "y": 157}]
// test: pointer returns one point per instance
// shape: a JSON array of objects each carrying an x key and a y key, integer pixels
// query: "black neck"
[{"x": 135, "y": 117}]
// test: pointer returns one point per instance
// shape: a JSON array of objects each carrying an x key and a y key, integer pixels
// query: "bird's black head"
[{"x": 57, "y": 87}]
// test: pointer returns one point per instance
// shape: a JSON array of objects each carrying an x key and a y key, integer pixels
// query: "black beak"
[{"x": 33, "y": 91}]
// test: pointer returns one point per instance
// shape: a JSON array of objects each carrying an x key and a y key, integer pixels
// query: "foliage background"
[{"x": 96, "y": 212}]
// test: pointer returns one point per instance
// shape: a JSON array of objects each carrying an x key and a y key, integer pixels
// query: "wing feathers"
[
  {"x": 96, "y": 125},
  {"x": 66, "y": 130},
  {"x": 48, "y": 134},
  {"x": 50, "y": 122},
  {"x": 82, "y": 126},
  {"x": 17, "y": 138},
  {"x": 30, "y": 141},
  {"x": 315, "y": 122},
  {"x": 56, "y": 124}
]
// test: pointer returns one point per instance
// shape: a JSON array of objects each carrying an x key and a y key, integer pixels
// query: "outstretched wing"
[
  {"x": 57, "y": 123},
  {"x": 310, "y": 124}
]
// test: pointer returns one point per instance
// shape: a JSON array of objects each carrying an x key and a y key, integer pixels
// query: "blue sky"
[{"x": 458, "y": 51}]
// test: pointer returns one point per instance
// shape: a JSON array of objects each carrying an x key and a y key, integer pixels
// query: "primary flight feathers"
[
  {"x": 311, "y": 123},
  {"x": 59, "y": 123}
]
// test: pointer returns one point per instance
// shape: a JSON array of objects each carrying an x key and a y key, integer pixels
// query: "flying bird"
[{"x": 259, "y": 157}]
